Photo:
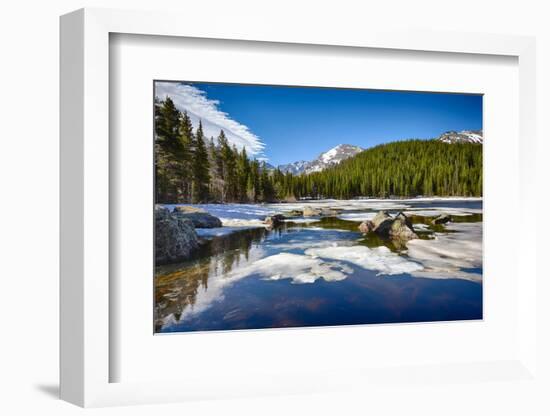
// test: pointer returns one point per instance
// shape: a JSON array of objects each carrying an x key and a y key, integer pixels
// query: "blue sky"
[{"x": 286, "y": 124}]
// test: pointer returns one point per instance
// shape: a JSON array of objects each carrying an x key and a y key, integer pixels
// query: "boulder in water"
[
  {"x": 274, "y": 220},
  {"x": 401, "y": 228},
  {"x": 366, "y": 226},
  {"x": 293, "y": 213},
  {"x": 383, "y": 224},
  {"x": 199, "y": 218},
  {"x": 329, "y": 212},
  {"x": 311, "y": 211},
  {"x": 175, "y": 237},
  {"x": 442, "y": 219}
]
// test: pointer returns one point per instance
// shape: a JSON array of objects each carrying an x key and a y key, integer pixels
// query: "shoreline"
[{"x": 327, "y": 200}]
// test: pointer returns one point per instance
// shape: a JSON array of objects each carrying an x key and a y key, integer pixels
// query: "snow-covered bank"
[
  {"x": 447, "y": 254},
  {"x": 237, "y": 215},
  {"x": 435, "y": 211}
]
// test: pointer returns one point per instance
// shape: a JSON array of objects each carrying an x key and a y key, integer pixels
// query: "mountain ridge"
[
  {"x": 463, "y": 136},
  {"x": 342, "y": 152},
  {"x": 326, "y": 159}
]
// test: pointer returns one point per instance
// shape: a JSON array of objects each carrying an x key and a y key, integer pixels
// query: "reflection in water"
[
  {"x": 256, "y": 278},
  {"x": 177, "y": 285}
]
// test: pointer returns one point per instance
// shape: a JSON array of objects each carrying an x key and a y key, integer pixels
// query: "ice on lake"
[{"x": 312, "y": 269}]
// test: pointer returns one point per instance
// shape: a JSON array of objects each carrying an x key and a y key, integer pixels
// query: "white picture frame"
[{"x": 85, "y": 211}]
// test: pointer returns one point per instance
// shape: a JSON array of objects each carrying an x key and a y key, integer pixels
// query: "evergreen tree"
[
  {"x": 188, "y": 168},
  {"x": 253, "y": 185},
  {"x": 168, "y": 150},
  {"x": 216, "y": 180},
  {"x": 266, "y": 186},
  {"x": 229, "y": 169},
  {"x": 406, "y": 168},
  {"x": 243, "y": 173},
  {"x": 201, "y": 174},
  {"x": 185, "y": 157}
]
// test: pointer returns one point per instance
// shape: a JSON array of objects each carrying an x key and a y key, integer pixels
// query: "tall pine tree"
[
  {"x": 168, "y": 150},
  {"x": 185, "y": 156},
  {"x": 201, "y": 174}
]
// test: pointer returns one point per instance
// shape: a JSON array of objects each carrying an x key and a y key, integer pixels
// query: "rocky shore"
[
  {"x": 175, "y": 232},
  {"x": 177, "y": 238}
]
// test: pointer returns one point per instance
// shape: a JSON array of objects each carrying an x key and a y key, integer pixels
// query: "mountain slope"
[
  {"x": 464, "y": 136},
  {"x": 296, "y": 168},
  {"x": 403, "y": 168},
  {"x": 327, "y": 159}
]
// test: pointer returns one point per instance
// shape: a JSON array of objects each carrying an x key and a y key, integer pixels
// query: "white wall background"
[{"x": 29, "y": 209}]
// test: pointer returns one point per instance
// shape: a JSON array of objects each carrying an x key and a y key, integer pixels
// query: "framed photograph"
[
  {"x": 244, "y": 215},
  {"x": 326, "y": 212}
]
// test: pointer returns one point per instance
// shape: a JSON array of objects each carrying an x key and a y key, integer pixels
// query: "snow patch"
[
  {"x": 421, "y": 227},
  {"x": 298, "y": 268},
  {"x": 436, "y": 211},
  {"x": 242, "y": 223},
  {"x": 302, "y": 220},
  {"x": 357, "y": 216},
  {"x": 327, "y": 156},
  {"x": 445, "y": 255},
  {"x": 379, "y": 259}
]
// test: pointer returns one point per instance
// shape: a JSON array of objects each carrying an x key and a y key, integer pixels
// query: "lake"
[{"x": 315, "y": 271}]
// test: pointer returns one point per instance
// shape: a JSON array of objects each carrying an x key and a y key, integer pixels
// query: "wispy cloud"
[{"x": 199, "y": 107}]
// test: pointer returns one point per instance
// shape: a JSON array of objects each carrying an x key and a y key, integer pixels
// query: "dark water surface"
[{"x": 223, "y": 287}]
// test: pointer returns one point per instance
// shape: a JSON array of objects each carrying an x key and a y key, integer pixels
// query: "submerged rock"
[
  {"x": 323, "y": 212},
  {"x": 311, "y": 212},
  {"x": 383, "y": 224},
  {"x": 274, "y": 220},
  {"x": 199, "y": 217},
  {"x": 330, "y": 212},
  {"x": 442, "y": 219},
  {"x": 175, "y": 237},
  {"x": 293, "y": 213},
  {"x": 187, "y": 209}
]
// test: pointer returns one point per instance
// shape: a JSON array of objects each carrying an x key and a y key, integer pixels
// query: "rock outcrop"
[
  {"x": 199, "y": 217},
  {"x": 401, "y": 228},
  {"x": 383, "y": 224},
  {"x": 442, "y": 219},
  {"x": 293, "y": 213},
  {"x": 320, "y": 212},
  {"x": 175, "y": 237},
  {"x": 311, "y": 211},
  {"x": 274, "y": 220},
  {"x": 366, "y": 226}
]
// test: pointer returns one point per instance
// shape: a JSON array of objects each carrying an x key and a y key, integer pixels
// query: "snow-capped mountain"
[
  {"x": 324, "y": 160},
  {"x": 465, "y": 136},
  {"x": 267, "y": 165},
  {"x": 295, "y": 168}
]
